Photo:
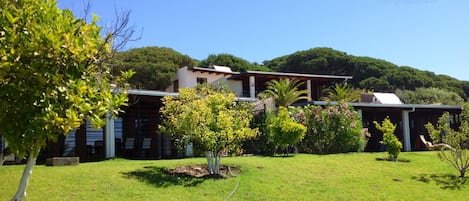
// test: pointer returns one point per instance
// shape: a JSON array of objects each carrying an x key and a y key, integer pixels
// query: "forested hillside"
[
  {"x": 368, "y": 73},
  {"x": 155, "y": 68}
]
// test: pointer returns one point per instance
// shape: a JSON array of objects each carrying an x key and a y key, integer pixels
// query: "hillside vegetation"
[
  {"x": 156, "y": 66},
  {"x": 367, "y": 72}
]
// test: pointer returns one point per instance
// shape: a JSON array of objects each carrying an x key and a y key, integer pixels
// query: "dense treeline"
[
  {"x": 155, "y": 68},
  {"x": 368, "y": 73},
  {"x": 237, "y": 64}
]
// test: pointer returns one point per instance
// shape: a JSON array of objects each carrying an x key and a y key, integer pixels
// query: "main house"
[{"x": 134, "y": 134}]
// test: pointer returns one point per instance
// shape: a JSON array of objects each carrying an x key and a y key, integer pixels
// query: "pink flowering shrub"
[{"x": 333, "y": 129}]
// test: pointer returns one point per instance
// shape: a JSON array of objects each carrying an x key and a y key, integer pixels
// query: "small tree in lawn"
[
  {"x": 211, "y": 119},
  {"x": 52, "y": 77},
  {"x": 285, "y": 131},
  {"x": 393, "y": 145},
  {"x": 458, "y": 156}
]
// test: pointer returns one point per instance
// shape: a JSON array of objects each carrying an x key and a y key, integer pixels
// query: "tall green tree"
[
  {"x": 52, "y": 77},
  {"x": 285, "y": 92},
  {"x": 458, "y": 156},
  {"x": 154, "y": 67},
  {"x": 210, "y": 119},
  {"x": 236, "y": 63}
]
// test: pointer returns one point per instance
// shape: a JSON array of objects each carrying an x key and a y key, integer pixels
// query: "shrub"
[
  {"x": 458, "y": 155},
  {"x": 393, "y": 145},
  {"x": 285, "y": 131},
  {"x": 334, "y": 129}
]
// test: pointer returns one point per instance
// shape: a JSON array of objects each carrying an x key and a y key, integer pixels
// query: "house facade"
[{"x": 134, "y": 134}]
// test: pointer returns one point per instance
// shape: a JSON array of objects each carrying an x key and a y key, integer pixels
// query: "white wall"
[{"x": 188, "y": 78}]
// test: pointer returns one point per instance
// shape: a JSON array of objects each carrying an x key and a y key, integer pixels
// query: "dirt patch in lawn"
[{"x": 201, "y": 171}]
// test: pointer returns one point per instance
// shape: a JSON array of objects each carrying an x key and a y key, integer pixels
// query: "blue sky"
[{"x": 425, "y": 34}]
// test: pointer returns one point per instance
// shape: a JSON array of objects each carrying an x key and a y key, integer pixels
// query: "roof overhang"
[
  {"x": 211, "y": 71},
  {"x": 277, "y": 75},
  {"x": 154, "y": 93}
]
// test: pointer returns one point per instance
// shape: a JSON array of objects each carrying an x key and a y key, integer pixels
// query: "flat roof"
[
  {"x": 211, "y": 70},
  {"x": 300, "y": 76},
  {"x": 144, "y": 92}
]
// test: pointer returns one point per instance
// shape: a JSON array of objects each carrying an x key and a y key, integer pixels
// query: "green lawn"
[{"x": 354, "y": 176}]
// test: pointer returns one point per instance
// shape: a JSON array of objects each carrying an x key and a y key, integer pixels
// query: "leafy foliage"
[
  {"x": 208, "y": 118},
  {"x": 342, "y": 93},
  {"x": 334, "y": 129},
  {"x": 52, "y": 76},
  {"x": 368, "y": 73},
  {"x": 430, "y": 95},
  {"x": 236, "y": 63},
  {"x": 154, "y": 67},
  {"x": 284, "y": 130},
  {"x": 285, "y": 92},
  {"x": 393, "y": 145},
  {"x": 457, "y": 139}
]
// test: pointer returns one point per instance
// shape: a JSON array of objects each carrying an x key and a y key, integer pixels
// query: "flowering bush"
[{"x": 333, "y": 129}]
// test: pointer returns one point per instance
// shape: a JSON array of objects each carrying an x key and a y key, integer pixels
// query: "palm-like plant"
[
  {"x": 285, "y": 92},
  {"x": 342, "y": 93}
]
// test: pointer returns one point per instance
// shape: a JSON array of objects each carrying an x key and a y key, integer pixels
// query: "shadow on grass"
[
  {"x": 161, "y": 177},
  {"x": 445, "y": 181},
  {"x": 390, "y": 160}
]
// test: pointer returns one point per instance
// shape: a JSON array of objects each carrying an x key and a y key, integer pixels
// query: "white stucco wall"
[{"x": 188, "y": 78}]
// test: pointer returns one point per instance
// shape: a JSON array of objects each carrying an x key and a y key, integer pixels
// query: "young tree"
[
  {"x": 52, "y": 77},
  {"x": 285, "y": 92},
  {"x": 211, "y": 119},
  {"x": 393, "y": 145},
  {"x": 458, "y": 156},
  {"x": 285, "y": 131}
]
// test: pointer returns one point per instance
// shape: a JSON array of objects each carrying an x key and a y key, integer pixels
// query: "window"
[{"x": 201, "y": 80}]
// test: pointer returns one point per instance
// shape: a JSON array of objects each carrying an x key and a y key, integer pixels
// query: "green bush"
[
  {"x": 264, "y": 143},
  {"x": 333, "y": 129},
  {"x": 285, "y": 131},
  {"x": 393, "y": 145}
]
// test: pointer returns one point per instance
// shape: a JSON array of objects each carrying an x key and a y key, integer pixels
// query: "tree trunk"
[
  {"x": 213, "y": 161},
  {"x": 210, "y": 161},
  {"x": 217, "y": 163},
  {"x": 28, "y": 169}
]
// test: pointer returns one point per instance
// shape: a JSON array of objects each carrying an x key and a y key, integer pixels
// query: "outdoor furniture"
[{"x": 429, "y": 145}]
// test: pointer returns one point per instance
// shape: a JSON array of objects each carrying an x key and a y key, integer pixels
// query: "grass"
[{"x": 354, "y": 176}]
